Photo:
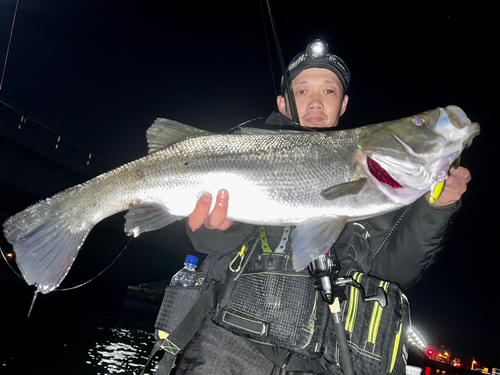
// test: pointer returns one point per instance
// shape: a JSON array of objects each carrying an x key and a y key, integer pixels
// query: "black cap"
[{"x": 317, "y": 55}]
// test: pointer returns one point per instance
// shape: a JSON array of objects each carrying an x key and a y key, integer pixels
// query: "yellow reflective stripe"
[
  {"x": 349, "y": 312},
  {"x": 372, "y": 322},
  {"x": 377, "y": 323},
  {"x": 396, "y": 347},
  {"x": 376, "y": 316},
  {"x": 353, "y": 304},
  {"x": 384, "y": 285},
  {"x": 348, "y": 326}
]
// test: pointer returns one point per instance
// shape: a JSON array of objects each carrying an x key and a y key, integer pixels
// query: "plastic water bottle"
[{"x": 186, "y": 276}]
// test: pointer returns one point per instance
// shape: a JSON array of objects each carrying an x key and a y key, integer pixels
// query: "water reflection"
[
  {"x": 125, "y": 351},
  {"x": 413, "y": 370},
  {"x": 431, "y": 371}
]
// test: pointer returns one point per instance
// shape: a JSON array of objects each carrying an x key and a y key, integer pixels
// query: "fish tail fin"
[{"x": 46, "y": 238}]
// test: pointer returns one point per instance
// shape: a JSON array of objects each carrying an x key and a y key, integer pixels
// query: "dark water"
[
  {"x": 95, "y": 345},
  {"x": 72, "y": 335},
  {"x": 123, "y": 348}
]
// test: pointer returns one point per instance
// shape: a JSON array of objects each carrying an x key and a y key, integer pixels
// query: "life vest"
[{"x": 268, "y": 302}]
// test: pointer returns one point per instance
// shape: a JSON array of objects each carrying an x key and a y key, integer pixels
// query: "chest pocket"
[{"x": 269, "y": 303}]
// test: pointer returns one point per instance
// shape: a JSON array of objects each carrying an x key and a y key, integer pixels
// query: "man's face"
[{"x": 318, "y": 97}]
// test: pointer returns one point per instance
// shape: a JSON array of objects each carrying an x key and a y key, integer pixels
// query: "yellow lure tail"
[{"x": 436, "y": 191}]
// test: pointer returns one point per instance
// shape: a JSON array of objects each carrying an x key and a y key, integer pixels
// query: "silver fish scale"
[
  {"x": 284, "y": 166},
  {"x": 274, "y": 172}
]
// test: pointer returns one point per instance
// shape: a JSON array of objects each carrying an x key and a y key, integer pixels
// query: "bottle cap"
[{"x": 192, "y": 260}]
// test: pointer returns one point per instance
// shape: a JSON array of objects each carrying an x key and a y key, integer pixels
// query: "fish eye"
[{"x": 418, "y": 121}]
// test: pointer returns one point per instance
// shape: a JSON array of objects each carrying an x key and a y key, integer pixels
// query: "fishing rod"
[
  {"x": 286, "y": 73},
  {"x": 8, "y": 44}
]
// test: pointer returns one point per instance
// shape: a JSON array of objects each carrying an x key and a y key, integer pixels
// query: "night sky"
[{"x": 101, "y": 72}]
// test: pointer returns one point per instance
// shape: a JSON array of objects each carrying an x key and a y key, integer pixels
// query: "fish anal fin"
[
  {"x": 314, "y": 238},
  {"x": 147, "y": 217},
  {"x": 166, "y": 132},
  {"x": 348, "y": 188}
]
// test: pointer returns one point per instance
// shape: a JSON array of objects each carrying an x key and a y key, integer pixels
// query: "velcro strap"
[
  {"x": 251, "y": 325},
  {"x": 184, "y": 332},
  {"x": 170, "y": 347}
]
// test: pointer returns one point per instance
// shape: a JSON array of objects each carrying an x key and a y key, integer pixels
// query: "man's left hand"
[{"x": 454, "y": 187}]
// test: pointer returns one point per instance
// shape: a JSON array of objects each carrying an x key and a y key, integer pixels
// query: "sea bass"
[{"x": 315, "y": 180}]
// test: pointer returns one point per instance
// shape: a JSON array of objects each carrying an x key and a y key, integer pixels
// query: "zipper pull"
[{"x": 287, "y": 359}]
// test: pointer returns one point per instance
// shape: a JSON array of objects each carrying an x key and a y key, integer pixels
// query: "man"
[{"x": 370, "y": 246}]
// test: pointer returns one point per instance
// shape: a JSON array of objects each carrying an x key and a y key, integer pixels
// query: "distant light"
[
  {"x": 414, "y": 338},
  {"x": 10, "y": 255}
]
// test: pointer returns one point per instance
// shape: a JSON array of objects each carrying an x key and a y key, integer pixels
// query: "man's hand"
[
  {"x": 454, "y": 187},
  {"x": 217, "y": 219}
]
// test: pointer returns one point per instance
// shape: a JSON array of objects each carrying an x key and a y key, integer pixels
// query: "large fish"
[{"x": 315, "y": 180}]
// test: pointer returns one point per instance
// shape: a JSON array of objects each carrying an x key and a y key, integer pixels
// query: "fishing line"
[
  {"x": 268, "y": 49},
  {"x": 76, "y": 286},
  {"x": 6, "y": 261},
  {"x": 230, "y": 131},
  {"x": 286, "y": 73},
  {"x": 8, "y": 45},
  {"x": 99, "y": 274},
  {"x": 35, "y": 294}
]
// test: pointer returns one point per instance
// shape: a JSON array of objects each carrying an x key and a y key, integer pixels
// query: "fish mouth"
[{"x": 403, "y": 179}]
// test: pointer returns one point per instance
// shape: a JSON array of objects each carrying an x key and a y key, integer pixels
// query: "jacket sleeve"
[
  {"x": 209, "y": 241},
  {"x": 219, "y": 246},
  {"x": 403, "y": 250}
]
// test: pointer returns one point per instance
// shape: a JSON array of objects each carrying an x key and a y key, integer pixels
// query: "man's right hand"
[{"x": 215, "y": 220}]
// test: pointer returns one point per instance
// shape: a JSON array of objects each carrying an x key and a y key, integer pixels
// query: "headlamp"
[
  {"x": 317, "y": 55},
  {"x": 317, "y": 49}
]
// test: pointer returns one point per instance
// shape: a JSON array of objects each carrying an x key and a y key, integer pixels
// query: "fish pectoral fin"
[
  {"x": 147, "y": 217},
  {"x": 314, "y": 238},
  {"x": 166, "y": 132},
  {"x": 348, "y": 188}
]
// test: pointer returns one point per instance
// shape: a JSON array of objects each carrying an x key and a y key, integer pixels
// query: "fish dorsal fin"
[
  {"x": 314, "y": 238},
  {"x": 348, "y": 188},
  {"x": 166, "y": 132}
]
